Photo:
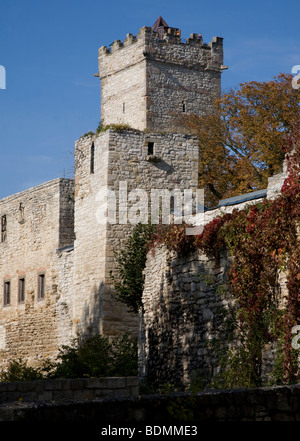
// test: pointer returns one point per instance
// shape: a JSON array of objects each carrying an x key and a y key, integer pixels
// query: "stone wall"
[
  {"x": 185, "y": 309},
  {"x": 145, "y": 80},
  {"x": 68, "y": 389},
  {"x": 123, "y": 84},
  {"x": 183, "y": 412},
  {"x": 187, "y": 312},
  {"x": 38, "y": 222},
  {"x": 122, "y": 165},
  {"x": 63, "y": 277}
]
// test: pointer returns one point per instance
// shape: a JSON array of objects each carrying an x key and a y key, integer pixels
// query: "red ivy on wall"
[{"x": 264, "y": 239}]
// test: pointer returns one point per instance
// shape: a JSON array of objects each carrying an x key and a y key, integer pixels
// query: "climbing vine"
[
  {"x": 130, "y": 261},
  {"x": 264, "y": 242}
]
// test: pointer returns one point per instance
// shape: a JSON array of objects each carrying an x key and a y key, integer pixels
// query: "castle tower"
[{"x": 146, "y": 80}]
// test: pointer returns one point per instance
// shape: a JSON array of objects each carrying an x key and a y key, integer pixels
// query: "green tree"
[{"x": 128, "y": 276}]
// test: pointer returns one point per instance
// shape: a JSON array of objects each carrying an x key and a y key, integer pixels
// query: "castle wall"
[
  {"x": 120, "y": 158},
  {"x": 186, "y": 308},
  {"x": 183, "y": 312},
  {"x": 38, "y": 221},
  {"x": 63, "y": 276},
  {"x": 186, "y": 320},
  {"x": 175, "y": 167},
  {"x": 89, "y": 245}
]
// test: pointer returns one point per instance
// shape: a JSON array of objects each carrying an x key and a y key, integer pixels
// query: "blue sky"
[{"x": 50, "y": 49}]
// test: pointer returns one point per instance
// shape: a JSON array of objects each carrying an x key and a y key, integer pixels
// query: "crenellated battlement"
[{"x": 171, "y": 36}]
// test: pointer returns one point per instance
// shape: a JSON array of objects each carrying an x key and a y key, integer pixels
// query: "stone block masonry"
[
  {"x": 119, "y": 157},
  {"x": 279, "y": 403},
  {"x": 146, "y": 81},
  {"x": 183, "y": 312},
  {"x": 68, "y": 389},
  {"x": 38, "y": 222},
  {"x": 187, "y": 312}
]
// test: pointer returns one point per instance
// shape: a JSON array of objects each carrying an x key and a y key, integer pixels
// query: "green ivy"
[{"x": 130, "y": 262}]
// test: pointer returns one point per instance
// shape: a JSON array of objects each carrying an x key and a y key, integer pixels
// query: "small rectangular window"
[
  {"x": 21, "y": 297},
  {"x": 41, "y": 286},
  {"x": 150, "y": 148},
  {"x": 6, "y": 293},
  {"x": 124, "y": 107},
  {"x": 3, "y": 228}
]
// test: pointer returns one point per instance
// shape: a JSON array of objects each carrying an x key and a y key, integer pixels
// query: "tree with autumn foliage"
[{"x": 240, "y": 141}]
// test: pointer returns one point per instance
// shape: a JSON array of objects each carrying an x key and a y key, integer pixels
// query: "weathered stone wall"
[
  {"x": 89, "y": 245},
  {"x": 172, "y": 414},
  {"x": 121, "y": 163},
  {"x": 63, "y": 277},
  {"x": 38, "y": 222},
  {"x": 144, "y": 80},
  {"x": 187, "y": 311},
  {"x": 123, "y": 83},
  {"x": 68, "y": 389}
]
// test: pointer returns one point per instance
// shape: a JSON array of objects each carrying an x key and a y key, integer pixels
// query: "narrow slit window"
[
  {"x": 150, "y": 148},
  {"x": 124, "y": 107},
  {"x": 183, "y": 107},
  {"x": 21, "y": 290},
  {"x": 6, "y": 293},
  {"x": 3, "y": 228},
  {"x": 92, "y": 167},
  {"x": 21, "y": 213},
  {"x": 172, "y": 204},
  {"x": 41, "y": 286}
]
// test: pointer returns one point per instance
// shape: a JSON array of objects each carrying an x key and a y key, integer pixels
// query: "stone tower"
[
  {"x": 64, "y": 286},
  {"x": 147, "y": 79},
  {"x": 144, "y": 81}
]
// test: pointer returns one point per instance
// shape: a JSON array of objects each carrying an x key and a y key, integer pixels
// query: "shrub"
[
  {"x": 103, "y": 127},
  {"x": 93, "y": 356},
  {"x": 96, "y": 356},
  {"x": 19, "y": 371}
]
